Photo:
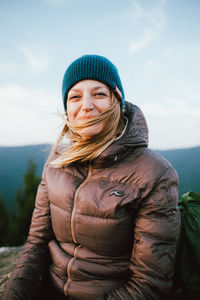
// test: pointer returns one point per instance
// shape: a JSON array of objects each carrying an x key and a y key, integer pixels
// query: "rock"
[{"x": 8, "y": 260}]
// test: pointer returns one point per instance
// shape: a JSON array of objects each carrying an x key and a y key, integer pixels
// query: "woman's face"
[{"x": 87, "y": 99}]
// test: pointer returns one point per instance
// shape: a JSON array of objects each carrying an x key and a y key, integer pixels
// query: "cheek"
[
  {"x": 107, "y": 104},
  {"x": 71, "y": 111},
  {"x": 104, "y": 105}
]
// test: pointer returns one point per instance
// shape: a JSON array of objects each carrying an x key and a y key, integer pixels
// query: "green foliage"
[
  {"x": 25, "y": 200},
  {"x": 187, "y": 264},
  {"x": 18, "y": 222}
]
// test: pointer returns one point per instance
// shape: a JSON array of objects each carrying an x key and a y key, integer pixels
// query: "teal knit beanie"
[{"x": 93, "y": 67}]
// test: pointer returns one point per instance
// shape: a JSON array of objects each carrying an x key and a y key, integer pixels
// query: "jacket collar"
[{"x": 135, "y": 135}]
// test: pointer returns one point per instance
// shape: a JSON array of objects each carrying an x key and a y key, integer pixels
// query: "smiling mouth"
[{"x": 86, "y": 118}]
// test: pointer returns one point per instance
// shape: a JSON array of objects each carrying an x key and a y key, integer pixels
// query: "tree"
[{"x": 25, "y": 200}]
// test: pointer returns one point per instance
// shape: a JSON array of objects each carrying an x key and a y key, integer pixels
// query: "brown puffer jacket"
[{"x": 111, "y": 227}]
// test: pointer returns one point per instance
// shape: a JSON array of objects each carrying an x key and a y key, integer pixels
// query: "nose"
[{"x": 87, "y": 103}]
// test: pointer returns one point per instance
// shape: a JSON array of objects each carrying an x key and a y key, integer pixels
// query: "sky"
[{"x": 154, "y": 44}]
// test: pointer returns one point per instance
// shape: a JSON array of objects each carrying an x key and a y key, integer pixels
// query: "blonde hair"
[{"x": 83, "y": 148}]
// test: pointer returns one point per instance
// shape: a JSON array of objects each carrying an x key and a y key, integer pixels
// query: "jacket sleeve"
[
  {"x": 29, "y": 275},
  {"x": 155, "y": 239}
]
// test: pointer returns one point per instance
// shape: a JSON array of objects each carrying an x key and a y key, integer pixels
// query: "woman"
[{"x": 106, "y": 223}]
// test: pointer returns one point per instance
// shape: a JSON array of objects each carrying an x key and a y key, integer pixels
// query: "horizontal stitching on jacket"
[
  {"x": 103, "y": 217},
  {"x": 65, "y": 171},
  {"x": 62, "y": 209},
  {"x": 158, "y": 237},
  {"x": 108, "y": 181}
]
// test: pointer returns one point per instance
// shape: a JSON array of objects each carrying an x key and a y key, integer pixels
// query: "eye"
[
  {"x": 74, "y": 97},
  {"x": 100, "y": 94}
]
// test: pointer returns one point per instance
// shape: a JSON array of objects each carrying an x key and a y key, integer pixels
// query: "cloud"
[
  {"x": 149, "y": 20},
  {"x": 144, "y": 40},
  {"x": 137, "y": 10},
  {"x": 168, "y": 53},
  {"x": 28, "y": 116},
  {"x": 174, "y": 107},
  {"x": 173, "y": 123},
  {"x": 37, "y": 101},
  {"x": 12, "y": 92},
  {"x": 9, "y": 68},
  {"x": 37, "y": 58}
]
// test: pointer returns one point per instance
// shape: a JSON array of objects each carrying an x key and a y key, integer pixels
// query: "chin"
[
  {"x": 92, "y": 130},
  {"x": 88, "y": 133}
]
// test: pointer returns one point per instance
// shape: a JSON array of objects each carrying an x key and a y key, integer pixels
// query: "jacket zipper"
[
  {"x": 72, "y": 261},
  {"x": 69, "y": 275},
  {"x": 75, "y": 207},
  {"x": 69, "y": 267}
]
